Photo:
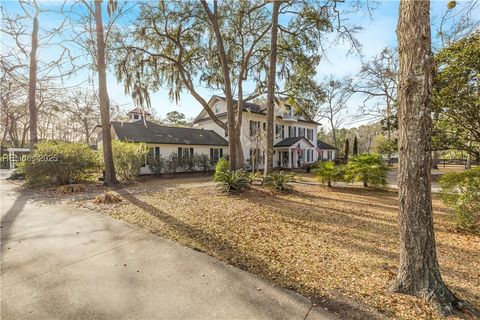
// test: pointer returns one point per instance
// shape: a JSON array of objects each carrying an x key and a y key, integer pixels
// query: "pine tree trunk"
[
  {"x": 110, "y": 178},
  {"x": 469, "y": 155},
  {"x": 32, "y": 84},
  {"x": 419, "y": 272},
  {"x": 271, "y": 89}
]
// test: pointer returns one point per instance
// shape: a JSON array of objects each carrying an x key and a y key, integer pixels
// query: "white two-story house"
[{"x": 295, "y": 137}]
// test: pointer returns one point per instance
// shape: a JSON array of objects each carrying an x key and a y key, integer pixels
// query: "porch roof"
[{"x": 288, "y": 142}]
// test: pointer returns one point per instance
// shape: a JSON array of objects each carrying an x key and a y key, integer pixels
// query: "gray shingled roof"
[
  {"x": 154, "y": 133},
  {"x": 324, "y": 145},
  {"x": 290, "y": 141}
]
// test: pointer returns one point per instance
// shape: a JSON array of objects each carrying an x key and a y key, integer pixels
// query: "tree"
[
  {"x": 81, "y": 108},
  {"x": 24, "y": 66},
  {"x": 377, "y": 82},
  {"x": 355, "y": 146},
  {"x": 176, "y": 119},
  {"x": 32, "y": 80},
  {"x": 110, "y": 177},
  {"x": 336, "y": 98},
  {"x": 271, "y": 89},
  {"x": 347, "y": 148},
  {"x": 456, "y": 97},
  {"x": 419, "y": 272},
  {"x": 327, "y": 172}
]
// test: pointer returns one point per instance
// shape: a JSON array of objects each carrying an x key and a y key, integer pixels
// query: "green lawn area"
[{"x": 338, "y": 246}]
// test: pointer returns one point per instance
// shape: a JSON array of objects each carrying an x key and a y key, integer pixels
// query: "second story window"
[
  {"x": 217, "y": 108},
  {"x": 279, "y": 131},
  {"x": 301, "y": 132},
  {"x": 254, "y": 127},
  {"x": 291, "y": 131},
  {"x": 310, "y": 134}
]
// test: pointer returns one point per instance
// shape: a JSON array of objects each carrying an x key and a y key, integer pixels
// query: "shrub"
[
  {"x": 461, "y": 192},
  {"x": 203, "y": 162},
  {"x": 279, "y": 181},
  {"x": 221, "y": 166},
  {"x": 327, "y": 173},
  {"x": 232, "y": 181},
  {"x": 366, "y": 168},
  {"x": 171, "y": 163},
  {"x": 57, "y": 163},
  {"x": 128, "y": 158},
  {"x": 254, "y": 177},
  {"x": 157, "y": 165}
]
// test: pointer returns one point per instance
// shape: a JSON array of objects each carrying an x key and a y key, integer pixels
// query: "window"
[
  {"x": 280, "y": 131},
  {"x": 136, "y": 116},
  {"x": 254, "y": 127},
  {"x": 216, "y": 154},
  {"x": 152, "y": 153},
  {"x": 329, "y": 154},
  {"x": 301, "y": 132},
  {"x": 217, "y": 108},
  {"x": 185, "y": 153},
  {"x": 264, "y": 126},
  {"x": 310, "y": 134},
  {"x": 291, "y": 131}
]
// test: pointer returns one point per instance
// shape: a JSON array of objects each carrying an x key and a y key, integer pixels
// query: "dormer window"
[{"x": 217, "y": 108}]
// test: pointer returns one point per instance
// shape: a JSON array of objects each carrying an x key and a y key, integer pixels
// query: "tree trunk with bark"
[
  {"x": 271, "y": 90},
  {"x": 110, "y": 177},
  {"x": 419, "y": 272},
  {"x": 32, "y": 84}
]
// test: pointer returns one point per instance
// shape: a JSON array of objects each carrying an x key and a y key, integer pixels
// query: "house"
[
  {"x": 165, "y": 142},
  {"x": 326, "y": 151},
  {"x": 295, "y": 141}
]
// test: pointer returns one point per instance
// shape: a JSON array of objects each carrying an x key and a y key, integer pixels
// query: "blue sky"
[{"x": 378, "y": 32}]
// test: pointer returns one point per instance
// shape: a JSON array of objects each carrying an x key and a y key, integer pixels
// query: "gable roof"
[
  {"x": 325, "y": 146},
  {"x": 139, "y": 111},
  {"x": 247, "y": 106},
  {"x": 154, "y": 133},
  {"x": 288, "y": 142}
]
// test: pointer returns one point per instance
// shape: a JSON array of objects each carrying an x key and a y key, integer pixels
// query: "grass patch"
[{"x": 337, "y": 246}]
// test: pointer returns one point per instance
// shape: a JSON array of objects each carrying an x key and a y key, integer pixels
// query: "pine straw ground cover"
[{"x": 338, "y": 247}]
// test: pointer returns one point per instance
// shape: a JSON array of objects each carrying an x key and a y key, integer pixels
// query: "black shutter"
[
  {"x": 179, "y": 153},
  {"x": 211, "y": 153},
  {"x": 221, "y": 152},
  {"x": 191, "y": 152}
]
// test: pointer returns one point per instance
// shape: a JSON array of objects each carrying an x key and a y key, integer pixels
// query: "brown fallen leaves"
[{"x": 338, "y": 246}]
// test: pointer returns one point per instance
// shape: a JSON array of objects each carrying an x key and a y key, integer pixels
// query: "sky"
[{"x": 378, "y": 32}]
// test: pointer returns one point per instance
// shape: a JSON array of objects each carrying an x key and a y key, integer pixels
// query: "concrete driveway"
[{"x": 60, "y": 262}]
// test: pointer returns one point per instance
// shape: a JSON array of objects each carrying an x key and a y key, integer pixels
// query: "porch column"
[{"x": 289, "y": 152}]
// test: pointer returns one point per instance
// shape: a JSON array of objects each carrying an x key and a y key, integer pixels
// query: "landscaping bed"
[{"x": 337, "y": 246}]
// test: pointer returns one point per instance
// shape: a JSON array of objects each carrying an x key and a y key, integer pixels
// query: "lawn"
[{"x": 338, "y": 247}]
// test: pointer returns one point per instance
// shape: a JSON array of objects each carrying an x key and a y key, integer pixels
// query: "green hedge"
[
  {"x": 57, "y": 163},
  {"x": 128, "y": 158},
  {"x": 461, "y": 192}
]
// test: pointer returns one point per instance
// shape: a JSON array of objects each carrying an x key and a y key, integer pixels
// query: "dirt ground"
[{"x": 337, "y": 246}]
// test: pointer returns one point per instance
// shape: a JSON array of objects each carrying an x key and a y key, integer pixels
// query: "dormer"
[{"x": 138, "y": 114}]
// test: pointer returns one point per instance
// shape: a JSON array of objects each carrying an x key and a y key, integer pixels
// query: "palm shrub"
[
  {"x": 254, "y": 177},
  {"x": 366, "y": 168},
  {"x": 327, "y": 172},
  {"x": 461, "y": 192},
  {"x": 279, "y": 181},
  {"x": 57, "y": 163},
  {"x": 232, "y": 181},
  {"x": 128, "y": 158},
  {"x": 221, "y": 166}
]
